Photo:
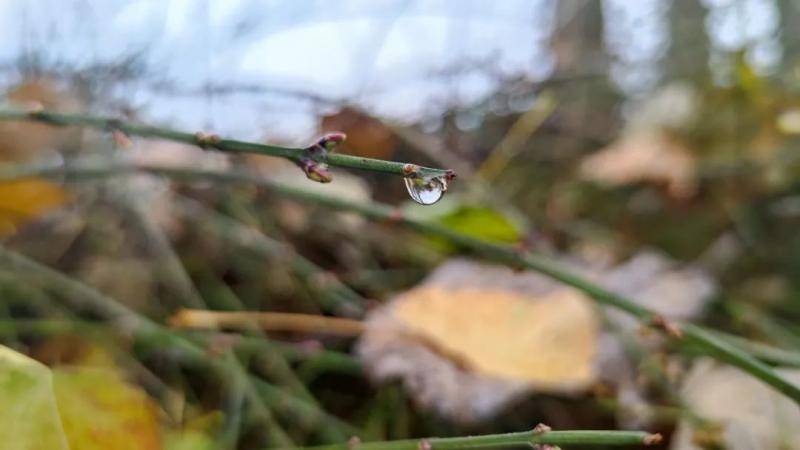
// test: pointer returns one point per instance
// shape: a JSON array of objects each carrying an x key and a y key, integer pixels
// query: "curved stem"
[{"x": 223, "y": 145}]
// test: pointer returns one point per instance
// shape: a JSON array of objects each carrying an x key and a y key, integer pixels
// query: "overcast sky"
[{"x": 379, "y": 53}]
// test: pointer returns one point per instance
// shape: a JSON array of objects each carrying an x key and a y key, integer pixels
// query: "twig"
[
  {"x": 522, "y": 439},
  {"x": 522, "y": 129},
  {"x": 223, "y": 145},
  {"x": 268, "y": 321},
  {"x": 765, "y": 352},
  {"x": 711, "y": 345}
]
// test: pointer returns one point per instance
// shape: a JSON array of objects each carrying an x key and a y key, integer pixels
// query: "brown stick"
[{"x": 270, "y": 321}]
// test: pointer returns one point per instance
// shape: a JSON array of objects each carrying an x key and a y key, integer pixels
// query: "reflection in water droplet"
[{"x": 426, "y": 192}]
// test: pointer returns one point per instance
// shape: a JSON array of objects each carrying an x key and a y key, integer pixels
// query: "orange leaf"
[{"x": 26, "y": 199}]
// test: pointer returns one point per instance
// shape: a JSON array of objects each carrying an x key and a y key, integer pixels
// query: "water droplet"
[{"x": 426, "y": 192}]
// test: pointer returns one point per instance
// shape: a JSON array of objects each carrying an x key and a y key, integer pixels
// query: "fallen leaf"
[
  {"x": 745, "y": 413},
  {"x": 100, "y": 410},
  {"x": 788, "y": 121},
  {"x": 24, "y": 200},
  {"x": 474, "y": 337},
  {"x": 26, "y": 141},
  {"x": 645, "y": 156},
  {"x": 29, "y": 418},
  {"x": 491, "y": 330}
]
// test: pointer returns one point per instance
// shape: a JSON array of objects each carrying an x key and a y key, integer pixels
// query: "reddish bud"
[
  {"x": 331, "y": 140},
  {"x": 316, "y": 171},
  {"x": 541, "y": 429},
  {"x": 672, "y": 329},
  {"x": 652, "y": 439}
]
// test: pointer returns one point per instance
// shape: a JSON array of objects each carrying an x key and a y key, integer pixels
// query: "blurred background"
[{"x": 652, "y": 145}]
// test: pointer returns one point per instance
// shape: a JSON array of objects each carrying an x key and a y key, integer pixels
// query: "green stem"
[
  {"x": 522, "y": 439},
  {"x": 223, "y": 145},
  {"x": 765, "y": 352}
]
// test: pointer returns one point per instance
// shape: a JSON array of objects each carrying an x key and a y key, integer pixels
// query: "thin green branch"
[
  {"x": 710, "y": 344},
  {"x": 523, "y": 439},
  {"x": 765, "y": 352},
  {"x": 223, "y": 145}
]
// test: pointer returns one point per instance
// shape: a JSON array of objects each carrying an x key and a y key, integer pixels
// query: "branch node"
[
  {"x": 206, "y": 140},
  {"x": 315, "y": 171},
  {"x": 541, "y": 428},
  {"x": 449, "y": 175},
  {"x": 671, "y": 328},
  {"x": 353, "y": 443},
  {"x": 331, "y": 140},
  {"x": 652, "y": 439},
  {"x": 318, "y": 151},
  {"x": 410, "y": 170}
]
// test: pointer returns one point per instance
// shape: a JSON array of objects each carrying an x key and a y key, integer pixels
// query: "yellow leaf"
[
  {"x": 100, "y": 410},
  {"x": 548, "y": 340},
  {"x": 28, "y": 417},
  {"x": 27, "y": 199},
  {"x": 747, "y": 413},
  {"x": 474, "y": 337}
]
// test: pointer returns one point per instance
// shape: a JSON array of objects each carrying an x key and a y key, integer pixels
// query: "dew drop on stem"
[{"x": 426, "y": 192}]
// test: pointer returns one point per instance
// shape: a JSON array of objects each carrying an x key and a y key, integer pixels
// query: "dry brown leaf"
[
  {"x": 746, "y": 413},
  {"x": 24, "y": 141},
  {"x": 366, "y": 135},
  {"x": 645, "y": 156}
]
